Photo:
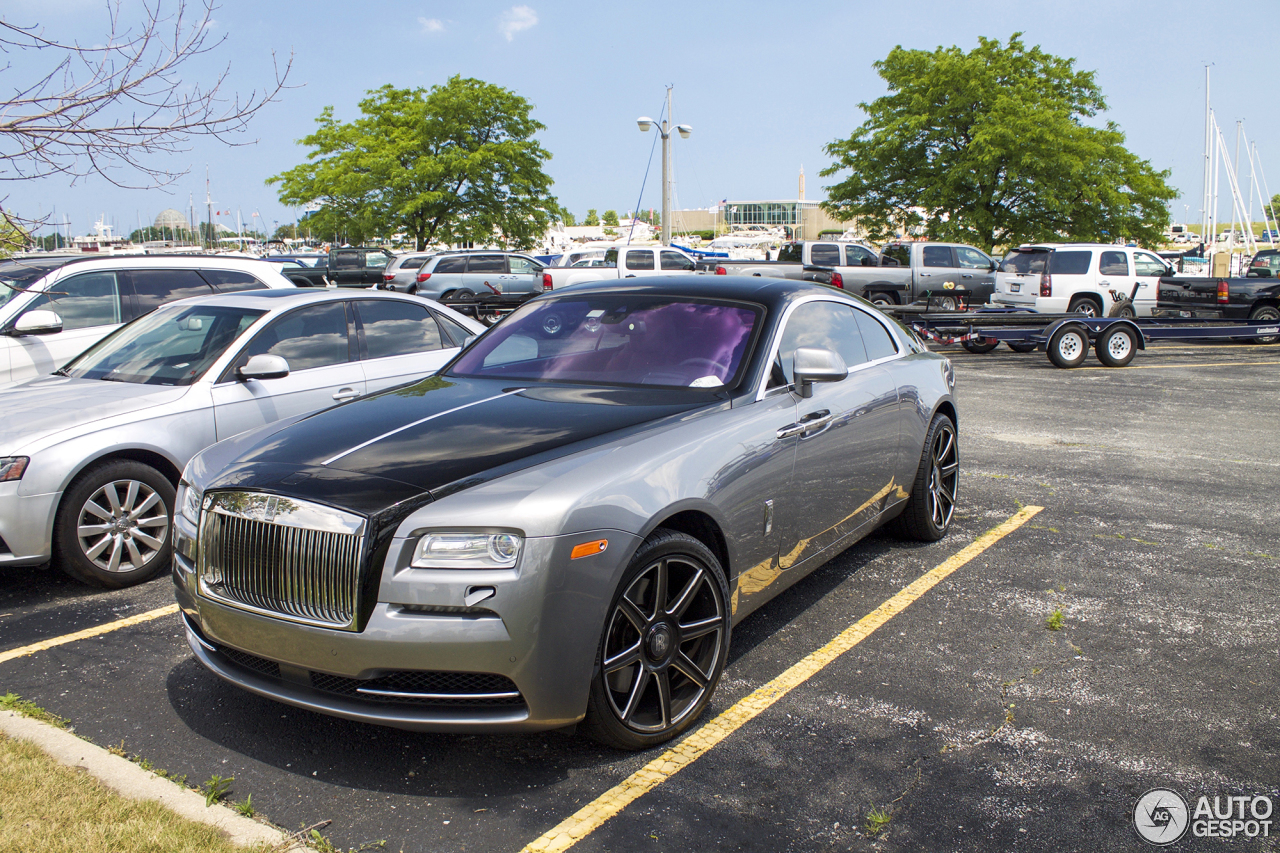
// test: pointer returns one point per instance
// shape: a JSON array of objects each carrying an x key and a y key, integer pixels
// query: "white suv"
[
  {"x": 1057, "y": 278},
  {"x": 53, "y": 308}
]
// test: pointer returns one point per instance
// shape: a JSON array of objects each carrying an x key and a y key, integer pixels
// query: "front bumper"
[
  {"x": 539, "y": 631},
  {"x": 26, "y": 526}
]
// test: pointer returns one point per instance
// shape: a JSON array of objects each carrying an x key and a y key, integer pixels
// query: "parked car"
[
  {"x": 564, "y": 523},
  {"x": 90, "y": 456},
  {"x": 1084, "y": 278},
  {"x": 402, "y": 273},
  {"x": 52, "y": 309},
  {"x": 461, "y": 274},
  {"x": 622, "y": 262},
  {"x": 346, "y": 266}
]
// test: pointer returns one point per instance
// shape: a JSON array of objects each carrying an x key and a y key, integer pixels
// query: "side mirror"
[
  {"x": 38, "y": 322},
  {"x": 991, "y": 266},
  {"x": 816, "y": 364},
  {"x": 868, "y": 261},
  {"x": 264, "y": 367}
]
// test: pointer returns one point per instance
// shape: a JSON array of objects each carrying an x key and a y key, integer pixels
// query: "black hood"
[{"x": 440, "y": 434}]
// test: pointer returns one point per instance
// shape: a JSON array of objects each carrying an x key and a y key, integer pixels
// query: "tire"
[
  {"x": 1265, "y": 314},
  {"x": 463, "y": 293},
  {"x": 651, "y": 681},
  {"x": 112, "y": 527},
  {"x": 1116, "y": 346},
  {"x": 881, "y": 300},
  {"x": 931, "y": 506},
  {"x": 1123, "y": 308},
  {"x": 1083, "y": 305},
  {"x": 1068, "y": 346},
  {"x": 1022, "y": 346},
  {"x": 942, "y": 303},
  {"x": 412, "y": 290},
  {"x": 977, "y": 346}
]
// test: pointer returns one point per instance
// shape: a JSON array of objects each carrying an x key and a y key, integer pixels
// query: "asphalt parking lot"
[{"x": 964, "y": 720}]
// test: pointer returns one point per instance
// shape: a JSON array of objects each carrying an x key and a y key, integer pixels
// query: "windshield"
[
  {"x": 618, "y": 339},
  {"x": 173, "y": 345}
]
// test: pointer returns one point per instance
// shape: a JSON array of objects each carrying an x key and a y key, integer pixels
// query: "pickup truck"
[
  {"x": 912, "y": 272},
  {"x": 793, "y": 257},
  {"x": 1255, "y": 297},
  {"x": 349, "y": 266},
  {"x": 622, "y": 262}
]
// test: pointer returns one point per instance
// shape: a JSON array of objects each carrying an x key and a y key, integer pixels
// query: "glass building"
[{"x": 767, "y": 213}]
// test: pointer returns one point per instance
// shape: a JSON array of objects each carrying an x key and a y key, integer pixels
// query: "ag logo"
[{"x": 1161, "y": 816}]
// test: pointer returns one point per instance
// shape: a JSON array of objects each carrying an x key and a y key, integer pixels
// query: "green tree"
[
  {"x": 454, "y": 163},
  {"x": 610, "y": 217},
  {"x": 568, "y": 218},
  {"x": 592, "y": 217},
  {"x": 990, "y": 147},
  {"x": 13, "y": 237}
]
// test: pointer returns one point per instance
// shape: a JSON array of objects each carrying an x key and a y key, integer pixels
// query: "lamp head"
[
  {"x": 685, "y": 130},
  {"x": 645, "y": 123}
]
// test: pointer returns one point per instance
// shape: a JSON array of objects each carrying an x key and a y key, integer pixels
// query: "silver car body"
[
  {"x": 477, "y": 273},
  {"x": 402, "y": 273},
  {"x": 63, "y": 425},
  {"x": 775, "y": 482}
]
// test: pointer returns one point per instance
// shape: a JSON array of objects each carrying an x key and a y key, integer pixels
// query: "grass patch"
[
  {"x": 14, "y": 702},
  {"x": 877, "y": 821},
  {"x": 54, "y": 809},
  {"x": 1055, "y": 620}
]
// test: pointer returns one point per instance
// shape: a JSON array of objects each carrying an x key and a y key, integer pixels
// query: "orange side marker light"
[{"x": 587, "y": 549}]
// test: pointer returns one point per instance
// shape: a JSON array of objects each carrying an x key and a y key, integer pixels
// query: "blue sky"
[{"x": 764, "y": 85}]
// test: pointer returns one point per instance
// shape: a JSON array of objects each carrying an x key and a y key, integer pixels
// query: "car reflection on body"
[
  {"x": 565, "y": 522},
  {"x": 90, "y": 456}
]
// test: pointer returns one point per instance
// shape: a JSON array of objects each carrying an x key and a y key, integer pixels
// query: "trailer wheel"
[
  {"x": 1068, "y": 346},
  {"x": 1022, "y": 346},
  {"x": 1116, "y": 346},
  {"x": 1265, "y": 314},
  {"x": 977, "y": 346}
]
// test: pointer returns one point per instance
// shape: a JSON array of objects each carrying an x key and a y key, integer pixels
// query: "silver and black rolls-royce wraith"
[{"x": 564, "y": 523}]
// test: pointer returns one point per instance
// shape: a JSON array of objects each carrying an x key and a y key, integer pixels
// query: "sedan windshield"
[
  {"x": 618, "y": 339},
  {"x": 173, "y": 345}
]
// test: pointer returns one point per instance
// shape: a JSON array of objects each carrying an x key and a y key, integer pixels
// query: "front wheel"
[
  {"x": 112, "y": 528},
  {"x": 1265, "y": 314},
  {"x": 664, "y": 644},
  {"x": 933, "y": 494}
]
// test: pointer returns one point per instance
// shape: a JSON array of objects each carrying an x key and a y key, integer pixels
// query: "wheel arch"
[
  {"x": 159, "y": 461},
  {"x": 701, "y": 525},
  {"x": 1093, "y": 297},
  {"x": 1265, "y": 302},
  {"x": 948, "y": 408}
]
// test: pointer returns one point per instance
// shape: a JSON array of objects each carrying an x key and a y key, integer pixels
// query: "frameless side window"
[
  {"x": 1070, "y": 263},
  {"x": 232, "y": 281},
  {"x": 937, "y": 256},
  {"x": 640, "y": 260},
  {"x": 876, "y": 339},
  {"x": 1113, "y": 263},
  {"x": 830, "y": 325},
  {"x": 825, "y": 255},
  {"x": 397, "y": 328},
  {"x": 487, "y": 264},
  {"x": 454, "y": 264},
  {"x": 82, "y": 301},
  {"x": 309, "y": 337}
]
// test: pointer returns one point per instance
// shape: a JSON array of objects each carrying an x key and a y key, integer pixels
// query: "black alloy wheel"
[
  {"x": 664, "y": 645},
  {"x": 932, "y": 504}
]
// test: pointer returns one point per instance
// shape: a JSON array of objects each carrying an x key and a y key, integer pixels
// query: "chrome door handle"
[
  {"x": 791, "y": 430},
  {"x": 346, "y": 394},
  {"x": 967, "y": 275}
]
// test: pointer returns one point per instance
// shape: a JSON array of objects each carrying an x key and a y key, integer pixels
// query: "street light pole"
[{"x": 664, "y": 131}]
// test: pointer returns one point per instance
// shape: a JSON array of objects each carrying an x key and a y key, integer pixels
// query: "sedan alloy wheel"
[{"x": 123, "y": 526}]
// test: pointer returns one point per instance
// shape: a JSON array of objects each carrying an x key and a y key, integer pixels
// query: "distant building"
[
  {"x": 802, "y": 220},
  {"x": 172, "y": 220}
]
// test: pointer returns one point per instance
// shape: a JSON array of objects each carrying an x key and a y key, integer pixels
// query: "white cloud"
[
  {"x": 431, "y": 25},
  {"x": 515, "y": 19}
]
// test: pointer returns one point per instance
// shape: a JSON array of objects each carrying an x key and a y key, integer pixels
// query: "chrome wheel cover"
[
  {"x": 944, "y": 476},
  {"x": 663, "y": 644},
  {"x": 123, "y": 526}
]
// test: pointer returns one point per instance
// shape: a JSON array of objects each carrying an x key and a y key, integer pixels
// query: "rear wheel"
[
  {"x": 978, "y": 346},
  {"x": 1068, "y": 346},
  {"x": 665, "y": 640},
  {"x": 1083, "y": 305},
  {"x": 1265, "y": 314},
  {"x": 881, "y": 300},
  {"x": 1116, "y": 346},
  {"x": 943, "y": 303},
  {"x": 112, "y": 528},
  {"x": 933, "y": 494}
]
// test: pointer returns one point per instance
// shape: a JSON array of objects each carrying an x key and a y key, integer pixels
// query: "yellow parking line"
[
  {"x": 87, "y": 633},
  {"x": 1170, "y": 366},
  {"x": 593, "y": 815}
]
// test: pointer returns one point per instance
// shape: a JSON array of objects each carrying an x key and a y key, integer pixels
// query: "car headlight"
[
  {"x": 467, "y": 551},
  {"x": 13, "y": 467},
  {"x": 188, "y": 501}
]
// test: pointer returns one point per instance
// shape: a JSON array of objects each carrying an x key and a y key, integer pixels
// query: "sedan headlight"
[
  {"x": 467, "y": 551},
  {"x": 188, "y": 500},
  {"x": 13, "y": 467}
]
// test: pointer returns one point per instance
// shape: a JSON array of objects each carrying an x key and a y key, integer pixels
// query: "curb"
[{"x": 131, "y": 781}]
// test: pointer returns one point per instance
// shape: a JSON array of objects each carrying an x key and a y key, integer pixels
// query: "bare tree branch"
[{"x": 114, "y": 109}]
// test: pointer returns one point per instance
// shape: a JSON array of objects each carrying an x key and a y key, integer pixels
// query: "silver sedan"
[{"x": 90, "y": 456}]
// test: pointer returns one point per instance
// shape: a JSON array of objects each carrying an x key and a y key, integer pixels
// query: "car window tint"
[
  {"x": 153, "y": 288},
  {"x": 937, "y": 256},
  {"x": 454, "y": 329},
  {"x": 1113, "y": 263},
  {"x": 825, "y": 255},
  {"x": 523, "y": 266},
  {"x": 457, "y": 263},
  {"x": 346, "y": 261},
  {"x": 674, "y": 261},
  {"x": 309, "y": 337},
  {"x": 791, "y": 253},
  {"x": 82, "y": 301},
  {"x": 897, "y": 252},
  {"x": 1144, "y": 264},
  {"x": 818, "y": 324},
  {"x": 972, "y": 259},
  {"x": 412, "y": 263},
  {"x": 640, "y": 259},
  {"x": 855, "y": 255},
  {"x": 232, "y": 281},
  {"x": 875, "y": 337},
  {"x": 1070, "y": 263},
  {"x": 392, "y": 328},
  {"x": 487, "y": 263},
  {"x": 1025, "y": 263}
]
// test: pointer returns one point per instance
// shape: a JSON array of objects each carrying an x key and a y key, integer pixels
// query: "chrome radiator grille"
[{"x": 281, "y": 557}]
